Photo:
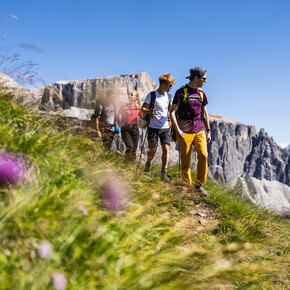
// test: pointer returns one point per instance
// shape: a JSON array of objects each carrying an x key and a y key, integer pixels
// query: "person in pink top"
[
  {"x": 191, "y": 122},
  {"x": 128, "y": 115}
]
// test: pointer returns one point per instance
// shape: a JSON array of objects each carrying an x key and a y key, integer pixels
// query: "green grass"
[{"x": 166, "y": 238}]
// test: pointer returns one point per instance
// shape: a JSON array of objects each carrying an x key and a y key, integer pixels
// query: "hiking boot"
[
  {"x": 147, "y": 167},
  {"x": 164, "y": 175},
  {"x": 200, "y": 190}
]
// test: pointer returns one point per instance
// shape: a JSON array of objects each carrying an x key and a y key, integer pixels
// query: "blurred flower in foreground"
[
  {"x": 44, "y": 249},
  {"x": 114, "y": 194},
  {"x": 12, "y": 169},
  {"x": 59, "y": 281},
  {"x": 82, "y": 209}
]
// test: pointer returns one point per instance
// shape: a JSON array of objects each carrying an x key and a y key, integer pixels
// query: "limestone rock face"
[
  {"x": 272, "y": 195},
  {"x": 267, "y": 160},
  {"x": 84, "y": 93},
  {"x": 287, "y": 148},
  {"x": 231, "y": 144},
  {"x": 236, "y": 149},
  {"x": 238, "y": 155},
  {"x": 24, "y": 95}
]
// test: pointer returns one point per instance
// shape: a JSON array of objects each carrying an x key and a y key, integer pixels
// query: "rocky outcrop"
[
  {"x": 272, "y": 195},
  {"x": 238, "y": 155},
  {"x": 236, "y": 149},
  {"x": 267, "y": 160},
  {"x": 287, "y": 148},
  {"x": 83, "y": 94},
  {"x": 231, "y": 144},
  {"x": 23, "y": 95}
]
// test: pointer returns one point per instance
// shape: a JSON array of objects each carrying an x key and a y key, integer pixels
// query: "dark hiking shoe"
[
  {"x": 147, "y": 167},
  {"x": 164, "y": 175},
  {"x": 201, "y": 190}
]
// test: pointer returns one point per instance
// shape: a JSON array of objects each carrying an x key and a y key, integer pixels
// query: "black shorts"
[{"x": 153, "y": 135}]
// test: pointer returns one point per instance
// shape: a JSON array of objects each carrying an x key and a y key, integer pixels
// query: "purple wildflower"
[
  {"x": 44, "y": 249},
  {"x": 82, "y": 209},
  {"x": 12, "y": 169},
  {"x": 59, "y": 281},
  {"x": 114, "y": 195}
]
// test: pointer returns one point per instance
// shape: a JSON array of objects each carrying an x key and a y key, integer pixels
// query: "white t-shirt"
[{"x": 159, "y": 119}]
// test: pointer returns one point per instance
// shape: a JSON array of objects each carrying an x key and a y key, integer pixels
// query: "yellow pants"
[{"x": 198, "y": 140}]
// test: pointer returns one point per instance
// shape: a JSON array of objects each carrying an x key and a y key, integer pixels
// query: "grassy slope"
[{"x": 166, "y": 238}]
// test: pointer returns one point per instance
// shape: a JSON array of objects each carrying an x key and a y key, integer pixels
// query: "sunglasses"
[
  {"x": 204, "y": 79},
  {"x": 169, "y": 85}
]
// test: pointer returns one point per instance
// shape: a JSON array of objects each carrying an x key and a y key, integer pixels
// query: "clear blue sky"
[{"x": 244, "y": 45}]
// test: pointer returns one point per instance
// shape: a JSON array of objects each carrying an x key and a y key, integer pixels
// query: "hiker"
[
  {"x": 128, "y": 115},
  {"x": 158, "y": 104},
  {"x": 190, "y": 118},
  {"x": 106, "y": 118}
]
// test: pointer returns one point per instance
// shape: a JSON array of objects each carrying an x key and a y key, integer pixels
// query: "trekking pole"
[
  {"x": 142, "y": 147},
  {"x": 179, "y": 159}
]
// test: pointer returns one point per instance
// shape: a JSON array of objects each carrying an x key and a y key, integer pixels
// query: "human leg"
[
  {"x": 108, "y": 137},
  {"x": 165, "y": 155},
  {"x": 135, "y": 138},
  {"x": 165, "y": 143},
  {"x": 152, "y": 144},
  {"x": 200, "y": 146},
  {"x": 151, "y": 154},
  {"x": 127, "y": 139},
  {"x": 185, "y": 156}
]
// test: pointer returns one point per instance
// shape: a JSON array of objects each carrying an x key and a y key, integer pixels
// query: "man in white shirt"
[{"x": 158, "y": 104}]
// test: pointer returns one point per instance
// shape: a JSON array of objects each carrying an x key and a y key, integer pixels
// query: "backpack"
[
  {"x": 144, "y": 120},
  {"x": 95, "y": 115},
  {"x": 134, "y": 115},
  {"x": 185, "y": 99}
]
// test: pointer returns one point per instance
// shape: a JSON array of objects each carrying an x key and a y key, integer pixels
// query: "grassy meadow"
[{"x": 147, "y": 234}]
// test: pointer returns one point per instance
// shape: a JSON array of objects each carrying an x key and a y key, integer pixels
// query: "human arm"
[
  {"x": 98, "y": 126},
  {"x": 173, "y": 110},
  {"x": 121, "y": 118},
  {"x": 205, "y": 118},
  {"x": 145, "y": 109}
]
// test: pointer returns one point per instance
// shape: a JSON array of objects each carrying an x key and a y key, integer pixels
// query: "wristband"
[{"x": 207, "y": 130}]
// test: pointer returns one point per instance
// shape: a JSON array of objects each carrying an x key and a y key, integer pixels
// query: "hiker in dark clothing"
[
  {"x": 128, "y": 115},
  {"x": 106, "y": 118},
  {"x": 191, "y": 122}
]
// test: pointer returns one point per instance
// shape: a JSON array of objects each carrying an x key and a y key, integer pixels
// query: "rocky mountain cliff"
[
  {"x": 231, "y": 144},
  {"x": 237, "y": 153},
  {"x": 236, "y": 149},
  {"x": 31, "y": 96},
  {"x": 287, "y": 148},
  {"x": 83, "y": 94}
]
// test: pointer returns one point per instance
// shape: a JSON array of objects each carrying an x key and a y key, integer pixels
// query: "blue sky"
[{"x": 244, "y": 45}]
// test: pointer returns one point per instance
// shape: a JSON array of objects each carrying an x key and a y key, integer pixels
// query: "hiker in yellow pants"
[
  {"x": 198, "y": 140},
  {"x": 190, "y": 120}
]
